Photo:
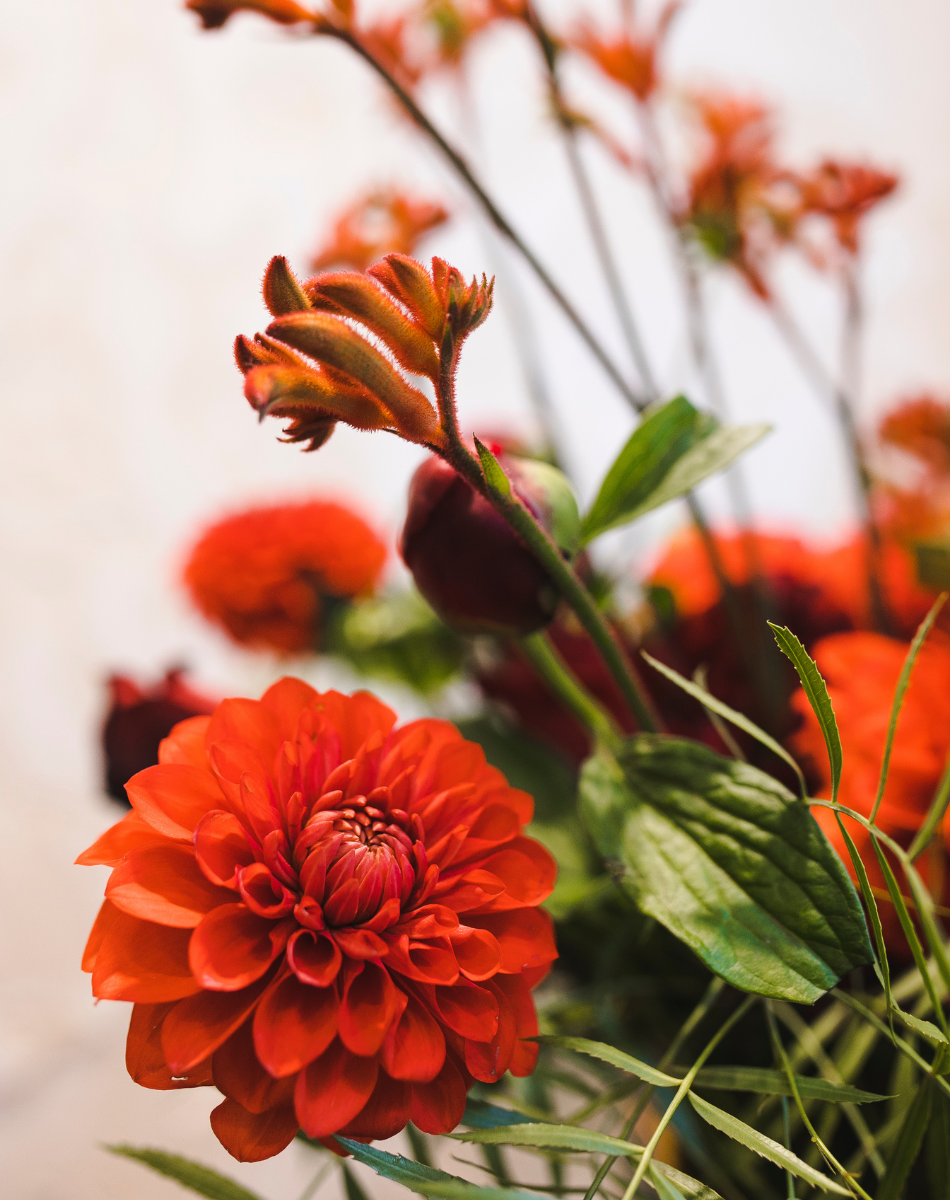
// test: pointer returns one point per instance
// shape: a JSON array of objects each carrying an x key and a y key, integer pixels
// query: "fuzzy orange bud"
[
  {"x": 282, "y": 292},
  {"x": 411, "y": 283},
  {"x": 214, "y": 13}
]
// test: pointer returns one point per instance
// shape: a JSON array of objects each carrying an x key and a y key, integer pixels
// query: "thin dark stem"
[{"x": 491, "y": 209}]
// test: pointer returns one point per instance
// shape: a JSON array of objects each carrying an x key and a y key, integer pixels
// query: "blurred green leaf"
[
  {"x": 550, "y": 1137},
  {"x": 428, "y": 1181},
  {"x": 746, "y": 1136},
  {"x": 610, "y": 1054},
  {"x": 729, "y": 861},
  {"x": 933, "y": 564},
  {"x": 768, "y": 1082},
  {"x": 352, "y": 1186},
  {"x": 480, "y": 1114},
  {"x": 396, "y": 637},
  {"x": 909, "y": 1141},
  {"x": 189, "y": 1174},
  {"x": 561, "y": 501}
]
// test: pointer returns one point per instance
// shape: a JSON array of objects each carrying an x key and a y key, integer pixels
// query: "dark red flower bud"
[
  {"x": 469, "y": 564},
  {"x": 137, "y": 722}
]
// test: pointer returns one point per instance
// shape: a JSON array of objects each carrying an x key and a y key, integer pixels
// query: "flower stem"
[
  {"x": 544, "y": 657},
  {"x": 494, "y": 214}
]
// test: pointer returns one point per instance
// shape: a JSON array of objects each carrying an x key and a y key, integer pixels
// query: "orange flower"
[
  {"x": 214, "y": 13},
  {"x": 918, "y": 508},
  {"x": 137, "y": 721},
  {"x": 385, "y": 221},
  {"x": 629, "y": 58},
  {"x": 262, "y": 574},
  {"x": 316, "y": 367},
  {"x": 862, "y": 670},
  {"x": 844, "y": 192},
  {"x": 332, "y": 920}
]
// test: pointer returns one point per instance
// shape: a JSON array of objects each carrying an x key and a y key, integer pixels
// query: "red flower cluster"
[
  {"x": 844, "y": 193},
  {"x": 629, "y": 57},
  {"x": 385, "y": 221},
  {"x": 137, "y": 721},
  {"x": 261, "y": 574},
  {"x": 862, "y": 670},
  {"x": 915, "y": 504},
  {"x": 332, "y": 920}
]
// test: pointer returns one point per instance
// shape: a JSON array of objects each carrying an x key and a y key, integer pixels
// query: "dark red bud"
[{"x": 466, "y": 560}]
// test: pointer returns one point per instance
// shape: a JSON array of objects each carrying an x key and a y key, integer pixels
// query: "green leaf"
[
  {"x": 479, "y": 1114},
  {"x": 870, "y": 903},
  {"x": 729, "y": 861},
  {"x": 428, "y": 1181},
  {"x": 817, "y": 692},
  {"x": 559, "y": 498},
  {"x": 688, "y": 1187},
  {"x": 708, "y": 700},
  {"x": 769, "y": 1082},
  {"x": 909, "y": 1141},
  {"x": 665, "y": 1188},
  {"x": 925, "y": 1028},
  {"x": 746, "y": 1136},
  {"x": 189, "y": 1174},
  {"x": 610, "y": 1054},
  {"x": 352, "y": 1186},
  {"x": 495, "y": 477},
  {"x": 551, "y": 1137},
  {"x": 662, "y": 437}
]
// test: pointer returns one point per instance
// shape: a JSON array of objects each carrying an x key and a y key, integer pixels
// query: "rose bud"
[
  {"x": 469, "y": 564},
  {"x": 138, "y": 720}
]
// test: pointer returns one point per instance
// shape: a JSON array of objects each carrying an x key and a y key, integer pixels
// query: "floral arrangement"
[{"x": 707, "y": 824}]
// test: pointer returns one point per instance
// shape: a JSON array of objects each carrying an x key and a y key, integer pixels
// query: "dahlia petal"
[
  {"x": 286, "y": 698},
  {"x": 422, "y": 961},
  {"x": 293, "y": 1025},
  {"x": 314, "y": 958},
  {"x": 477, "y": 953},
  {"x": 164, "y": 884},
  {"x": 238, "y": 1073},
  {"x": 437, "y": 1107},
  {"x": 518, "y": 994},
  {"x": 104, "y": 918},
  {"x": 494, "y": 790},
  {"x": 469, "y": 1010},
  {"x": 263, "y": 894},
  {"x": 222, "y": 847},
  {"x": 249, "y": 722},
  {"x": 197, "y": 1026},
  {"x": 141, "y": 961},
  {"x": 232, "y": 947},
  {"x": 370, "y": 1004},
  {"x": 385, "y": 1113},
  {"x": 527, "y": 870},
  {"x": 414, "y": 1047},
  {"x": 342, "y": 905},
  {"x": 526, "y": 937},
  {"x": 230, "y": 762},
  {"x": 488, "y": 1061},
  {"x": 356, "y": 718},
  {"x": 360, "y": 943},
  {"x": 524, "y": 1058},
  {"x": 131, "y": 833},
  {"x": 251, "y": 1137},
  {"x": 432, "y": 920},
  {"x": 332, "y": 1090},
  {"x": 186, "y": 743},
  {"x": 173, "y": 797},
  {"x": 474, "y": 889},
  {"x": 494, "y": 824},
  {"x": 145, "y": 1059}
]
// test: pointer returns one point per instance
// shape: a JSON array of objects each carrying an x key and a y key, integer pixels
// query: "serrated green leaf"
[
  {"x": 691, "y": 1188},
  {"x": 817, "y": 692},
  {"x": 757, "y": 1142},
  {"x": 664, "y": 1188},
  {"x": 495, "y": 477},
  {"x": 479, "y": 1114},
  {"x": 729, "y": 861},
  {"x": 428, "y": 1181},
  {"x": 551, "y": 1137},
  {"x": 189, "y": 1174},
  {"x": 663, "y": 436},
  {"x": 610, "y": 1054},
  {"x": 926, "y": 1029},
  {"x": 768, "y": 1082}
]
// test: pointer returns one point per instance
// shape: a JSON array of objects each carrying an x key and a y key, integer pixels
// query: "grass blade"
[
  {"x": 817, "y": 692},
  {"x": 609, "y": 1054}
]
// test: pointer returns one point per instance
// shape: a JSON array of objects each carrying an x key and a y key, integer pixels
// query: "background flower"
[
  {"x": 264, "y": 574},
  {"x": 332, "y": 920}
]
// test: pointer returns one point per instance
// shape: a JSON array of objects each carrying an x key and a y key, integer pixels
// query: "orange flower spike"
[
  {"x": 331, "y": 341},
  {"x": 282, "y": 391},
  {"x": 214, "y": 13},
  {"x": 343, "y": 940},
  {"x": 282, "y": 291},
  {"x": 382, "y": 222},
  {"x": 628, "y": 58},
  {"x": 359, "y": 296},
  {"x": 413, "y": 285},
  {"x": 845, "y": 192}
]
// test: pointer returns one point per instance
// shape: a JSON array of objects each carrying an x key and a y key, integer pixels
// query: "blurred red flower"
[
  {"x": 862, "y": 670},
  {"x": 284, "y": 912},
  {"x": 137, "y": 721},
  {"x": 844, "y": 193},
  {"x": 261, "y": 574},
  {"x": 629, "y": 57},
  {"x": 384, "y": 221},
  {"x": 912, "y": 495}
]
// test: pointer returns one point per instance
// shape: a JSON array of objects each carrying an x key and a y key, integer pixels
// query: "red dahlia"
[{"x": 332, "y": 920}]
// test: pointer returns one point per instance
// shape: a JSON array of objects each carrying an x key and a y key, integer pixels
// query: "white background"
[{"x": 149, "y": 173}]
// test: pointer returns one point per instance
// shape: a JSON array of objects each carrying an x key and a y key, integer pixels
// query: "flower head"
[
  {"x": 331, "y": 919},
  {"x": 844, "y": 193},
  {"x": 341, "y": 342},
  {"x": 214, "y": 13},
  {"x": 262, "y": 574},
  {"x": 137, "y": 721},
  {"x": 913, "y": 492},
  {"x": 385, "y": 221},
  {"x": 630, "y": 57}
]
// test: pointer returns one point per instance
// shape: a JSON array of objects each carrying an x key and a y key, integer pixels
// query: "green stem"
[
  {"x": 565, "y": 580},
  {"x": 544, "y": 657},
  {"x": 688, "y": 1080},
  {"x": 934, "y": 817}
]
